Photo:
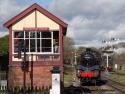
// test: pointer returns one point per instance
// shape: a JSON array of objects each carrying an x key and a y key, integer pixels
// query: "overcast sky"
[{"x": 89, "y": 21}]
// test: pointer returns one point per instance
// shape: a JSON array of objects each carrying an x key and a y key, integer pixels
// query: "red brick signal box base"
[{"x": 43, "y": 33}]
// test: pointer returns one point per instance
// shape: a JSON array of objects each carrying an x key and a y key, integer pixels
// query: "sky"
[{"x": 89, "y": 21}]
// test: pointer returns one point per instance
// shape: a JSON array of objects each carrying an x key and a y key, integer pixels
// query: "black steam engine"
[{"x": 89, "y": 66}]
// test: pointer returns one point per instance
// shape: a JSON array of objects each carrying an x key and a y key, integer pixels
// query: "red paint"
[
  {"x": 86, "y": 74},
  {"x": 61, "y": 45},
  {"x": 36, "y": 29},
  {"x": 36, "y": 64},
  {"x": 17, "y": 64},
  {"x": 30, "y": 10},
  {"x": 35, "y": 19},
  {"x": 10, "y": 45}
]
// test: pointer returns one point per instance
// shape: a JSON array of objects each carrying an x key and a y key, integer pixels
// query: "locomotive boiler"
[{"x": 88, "y": 67}]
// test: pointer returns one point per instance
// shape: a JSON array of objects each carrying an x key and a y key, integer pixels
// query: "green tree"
[
  {"x": 80, "y": 50},
  {"x": 4, "y": 53},
  {"x": 4, "y": 45},
  {"x": 119, "y": 59}
]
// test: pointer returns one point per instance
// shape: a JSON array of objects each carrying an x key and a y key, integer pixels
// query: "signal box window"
[
  {"x": 56, "y": 42},
  {"x": 36, "y": 41}
]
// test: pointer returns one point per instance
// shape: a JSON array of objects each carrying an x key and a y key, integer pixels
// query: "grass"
[
  {"x": 118, "y": 78},
  {"x": 69, "y": 74},
  {"x": 67, "y": 80},
  {"x": 120, "y": 71}
]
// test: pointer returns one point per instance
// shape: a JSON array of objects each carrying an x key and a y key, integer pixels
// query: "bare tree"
[
  {"x": 68, "y": 46},
  {"x": 119, "y": 59}
]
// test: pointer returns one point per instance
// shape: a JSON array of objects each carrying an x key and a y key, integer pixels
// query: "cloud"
[
  {"x": 2, "y": 34},
  {"x": 8, "y": 9},
  {"x": 119, "y": 50},
  {"x": 91, "y": 20},
  {"x": 93, "y": 43}
]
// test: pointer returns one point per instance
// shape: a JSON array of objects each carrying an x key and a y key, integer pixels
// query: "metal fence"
[
  {"x": 19, "y": 90},
  {"x": 27, "y": 90},
  {"x": 3, "y": 82},
  {"x": 3, "y": 75}
]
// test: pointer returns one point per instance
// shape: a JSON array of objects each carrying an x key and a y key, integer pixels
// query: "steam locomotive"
[{"x": 88, "y": 68}]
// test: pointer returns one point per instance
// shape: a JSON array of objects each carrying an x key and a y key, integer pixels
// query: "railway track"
[
  {"x": 104, "y": 89},
  {"x": 93, "y": 89},
  {"x": 118, "y": 73},
  {"x": 97, "y": 90},
  {"x": 106, "y": 86},
  {"x": 118, "y": 86}
]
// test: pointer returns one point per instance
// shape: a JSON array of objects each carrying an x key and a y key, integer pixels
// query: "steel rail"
[{"x": 116, "y": 85}]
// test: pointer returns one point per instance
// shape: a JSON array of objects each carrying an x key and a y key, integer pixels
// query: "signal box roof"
[{"x": 40, "y": 9}]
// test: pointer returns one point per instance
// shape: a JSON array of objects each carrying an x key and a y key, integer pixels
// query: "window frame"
[{"x": 36, "y": 52}]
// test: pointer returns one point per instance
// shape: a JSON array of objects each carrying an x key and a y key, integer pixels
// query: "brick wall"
[{"x": 41, "y": 76}]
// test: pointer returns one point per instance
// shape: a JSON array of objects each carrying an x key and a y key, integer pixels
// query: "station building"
[{"x": 43, "y": 33}]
